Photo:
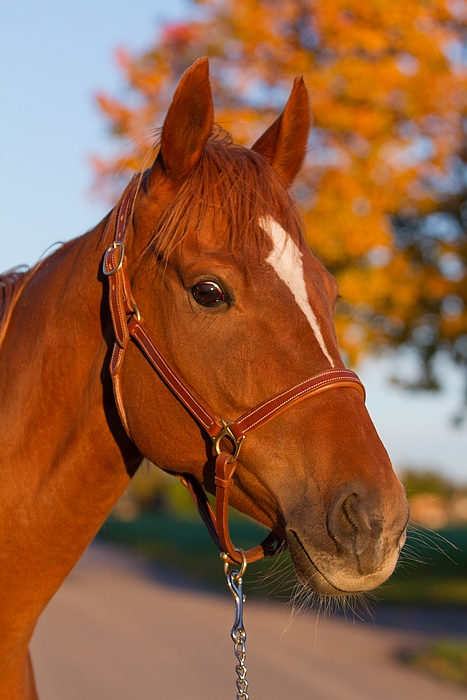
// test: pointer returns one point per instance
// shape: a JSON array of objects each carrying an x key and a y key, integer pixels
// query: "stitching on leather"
[
  {"x": 119, "y": 310},
  {"x": 291, "y": 398},
  {"x": 112, "y": 311},
  {"x": 115, "y": 293},
  {"x": 120, "y": 407},
  {"x": 171, "y": 375},
  {"x": 114, "y": 360},
  {"x": 333, "y": 373}
]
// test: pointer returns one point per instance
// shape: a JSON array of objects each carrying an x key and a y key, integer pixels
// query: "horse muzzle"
[{"x": 356, "y": 550}]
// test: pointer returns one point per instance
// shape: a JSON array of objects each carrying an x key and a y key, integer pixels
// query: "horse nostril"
[
  {"x": 349, "y": 522},
  {"x": 342, "y": 525}
]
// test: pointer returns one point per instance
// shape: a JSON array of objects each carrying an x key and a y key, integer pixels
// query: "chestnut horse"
[{"x": 242, "y": 310}]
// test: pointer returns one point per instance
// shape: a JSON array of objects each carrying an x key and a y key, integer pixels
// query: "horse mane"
[
  {"x": 229, "y": 181},
  {"x": 235, "y": 183},
  {"x": 11, "y": 285}
]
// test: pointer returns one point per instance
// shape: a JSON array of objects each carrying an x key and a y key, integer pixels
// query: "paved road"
[{"x": 119, "y": 630}]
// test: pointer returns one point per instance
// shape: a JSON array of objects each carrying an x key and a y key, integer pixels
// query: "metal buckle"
[
  {"x": 113, "y": 246},
  {"x": 226, "y": 432},
  {"x": 135, "y": 311}
]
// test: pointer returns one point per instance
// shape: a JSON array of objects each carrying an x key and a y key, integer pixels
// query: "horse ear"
[
  {"x": 188, "y": 123},
  {"x": 284, "y": 143}
]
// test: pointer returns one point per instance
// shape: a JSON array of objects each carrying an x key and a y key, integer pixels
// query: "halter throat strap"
[{"x": 127, "y": 323}]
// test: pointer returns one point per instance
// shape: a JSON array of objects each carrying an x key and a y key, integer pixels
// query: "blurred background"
[{"x": 383, "y": 192}]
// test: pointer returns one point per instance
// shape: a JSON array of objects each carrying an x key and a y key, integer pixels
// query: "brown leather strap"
[
  {"x": 127, "y": 323},
  {"x": 188, "y": 397},
  {"x": 270, "y": 545},
  {"x": 204, "y": 507},
  {"x": 117, "y": 298},
  {"x": 263, "y": 412},
  {"x": 121, "y": 302}
]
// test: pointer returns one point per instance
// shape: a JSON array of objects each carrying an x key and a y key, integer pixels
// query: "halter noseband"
[{"x": 127, "y": 323}]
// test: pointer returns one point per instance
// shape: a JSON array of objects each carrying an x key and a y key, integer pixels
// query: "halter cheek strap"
[{"x": 127, "y": 323}]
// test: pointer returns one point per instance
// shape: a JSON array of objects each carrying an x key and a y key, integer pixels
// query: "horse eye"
[{"x": 208, "y": 293}]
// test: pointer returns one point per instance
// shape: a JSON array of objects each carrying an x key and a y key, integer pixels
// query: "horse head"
[{"x": 242, "y": 309}]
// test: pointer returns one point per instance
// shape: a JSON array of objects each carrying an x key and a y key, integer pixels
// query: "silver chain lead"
[{"x": 238, "y": 633}]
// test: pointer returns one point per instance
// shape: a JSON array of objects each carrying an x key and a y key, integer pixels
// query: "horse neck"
[
  {"x": 62, "y": 463},
  {"x": 53, "y": 355}
]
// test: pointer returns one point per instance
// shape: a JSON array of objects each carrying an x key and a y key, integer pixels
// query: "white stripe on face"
[{"x": 286, "y": 259}]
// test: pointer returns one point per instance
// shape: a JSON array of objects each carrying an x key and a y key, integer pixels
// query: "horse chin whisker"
[
  {"x": 208, "y": 242},
  {"x": 428, "y": 536},
  {"x": 359, "y": 605},
  {"x": 278, "y": 577},
  {"x": 429, "y": 540}
]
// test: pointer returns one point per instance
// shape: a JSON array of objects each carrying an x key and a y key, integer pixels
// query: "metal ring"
[
  {"x": 135, "y": 310},
  {"x": 234, "y": 573},
  {"x": 227, "y": 432},
  {"x": 113, "y": 246}
]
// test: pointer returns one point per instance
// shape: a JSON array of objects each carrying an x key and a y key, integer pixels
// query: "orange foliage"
[{"x": 383, "y": 187}]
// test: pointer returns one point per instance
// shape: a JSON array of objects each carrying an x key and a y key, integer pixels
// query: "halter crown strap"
[{"x": 127, "y": 323}]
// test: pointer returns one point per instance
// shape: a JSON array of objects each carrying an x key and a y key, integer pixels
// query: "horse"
[{"x": 201, "y": 269}]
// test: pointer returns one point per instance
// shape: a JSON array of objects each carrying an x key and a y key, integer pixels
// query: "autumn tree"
[{"x": 383, "y": 190}]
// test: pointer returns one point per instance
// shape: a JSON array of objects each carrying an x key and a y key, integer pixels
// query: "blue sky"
[{"x": 54, "y": 57}]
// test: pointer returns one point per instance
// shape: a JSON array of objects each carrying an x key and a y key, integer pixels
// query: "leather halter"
[{"x": 127, "y": 323}]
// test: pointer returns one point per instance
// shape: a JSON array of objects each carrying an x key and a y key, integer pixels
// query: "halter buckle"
[
  {"x": 109, "y": 267},
  {"x": 236, "y": 442}
]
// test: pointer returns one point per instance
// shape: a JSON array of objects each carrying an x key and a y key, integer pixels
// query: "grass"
[
  {"x": 184, "y": 545},
  {"x": 445, "y": 659},
  {"x": 431, "y": 570}
]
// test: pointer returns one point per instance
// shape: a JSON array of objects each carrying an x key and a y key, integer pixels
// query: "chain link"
[
  {"x": 238, "y": 633},
  {"x": 240, "y": 668}
]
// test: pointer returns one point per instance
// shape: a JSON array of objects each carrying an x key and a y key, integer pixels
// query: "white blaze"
[{"x": 286, "y": 259}]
